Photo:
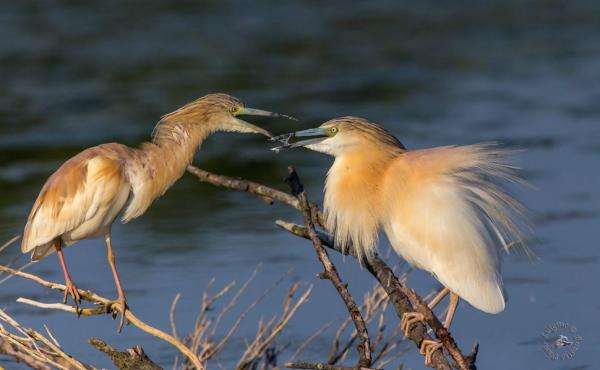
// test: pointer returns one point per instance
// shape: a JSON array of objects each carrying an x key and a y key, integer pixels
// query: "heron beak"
[
  {"x": 318, "y": 133},
  {"x": 258, "y": 112},
  {"x": 244, "y": 126}
]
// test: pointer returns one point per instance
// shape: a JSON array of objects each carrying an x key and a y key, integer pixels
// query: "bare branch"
[
  {"x": 34, "y": 349},
  {"x": 330, "y": 270},
  {"x": 308, "y": 340},
  {"x": 131, "y": 359},
  {"x": 257, "y": 349},
  {"x": 172, "y": 315},
  {"x": 244, "y": 185},
  {"x": 9, "y": 242},
  {"x": 210, "y": 353},
  {"x": 260, "y": 190},
  {"x": 105, "y": 306},
  {"x": 6, "y": 348}
]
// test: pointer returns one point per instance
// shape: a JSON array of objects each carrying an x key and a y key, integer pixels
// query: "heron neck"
[
  {"x": 360, "y": 172},
  {"x": 171, "y": 151},
  {"x": 162, "y": 162},
  {"x": 353, "y": 196}
]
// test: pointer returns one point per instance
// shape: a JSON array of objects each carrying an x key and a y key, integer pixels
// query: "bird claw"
[
  {"x": 428, "y": 348},
  {"x": 409, "y": 320},
  {"x": 71, "y": 290},
  {"x": 122, "y": 309}
]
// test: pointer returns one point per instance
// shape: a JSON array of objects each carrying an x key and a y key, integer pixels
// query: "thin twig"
[
  {"x": 373, "y": 302},
  {"x": 9, "y": 242},
  {"x": 219, "y": 346},
  {"x": 335, "y": 355},
  {"x": 172, "y": 315},
  {"x": 233, "y": 300},
  {"x": 331, "y": 273},
  {"x": 259, "y": 346},
  {"x": 309, "y": 339},
  {"x": 6, "y": 348}
]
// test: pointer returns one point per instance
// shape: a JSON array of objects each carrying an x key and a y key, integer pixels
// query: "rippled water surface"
[{"x": 434, "y": 73}]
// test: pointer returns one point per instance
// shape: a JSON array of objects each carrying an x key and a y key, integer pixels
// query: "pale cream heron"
[
  {"x": 84, "y": 196},
  {"x": 441, "y": 208}
]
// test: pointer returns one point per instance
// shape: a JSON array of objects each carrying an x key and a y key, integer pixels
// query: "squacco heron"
[
  {"x": 441, "y": 208},
  {"x": 84, "y": 196}
]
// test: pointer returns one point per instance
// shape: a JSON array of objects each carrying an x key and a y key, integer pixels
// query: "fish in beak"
[{"x": 318, "y": 135}]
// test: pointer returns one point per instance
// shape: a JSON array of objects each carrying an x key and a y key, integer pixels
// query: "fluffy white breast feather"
[{"x": 441, "y": 208}]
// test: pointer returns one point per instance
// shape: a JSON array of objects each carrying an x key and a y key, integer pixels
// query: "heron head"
[
  {"x": 221, "y": 112},
  {"x": 227, "y": 110},
  {"x": 340, "y": 135}
]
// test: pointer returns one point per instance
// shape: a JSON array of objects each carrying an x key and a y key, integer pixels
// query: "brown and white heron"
[
  {"x": 84, "y": 196},
  {"x": 441, "y": 208}
]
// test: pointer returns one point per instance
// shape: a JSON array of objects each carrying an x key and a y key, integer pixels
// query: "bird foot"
[
  {"x": 120, "y": 306},
  {"x": 428, "y": 347},
  {"x": 71, "y": 290},
  {"x": 409, "y": 320}
]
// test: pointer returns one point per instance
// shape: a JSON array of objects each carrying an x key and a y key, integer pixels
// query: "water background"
[{"x": 435, "y": 73}]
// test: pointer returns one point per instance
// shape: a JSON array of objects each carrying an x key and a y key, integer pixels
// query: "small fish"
[{"x": 284, "y": 140}]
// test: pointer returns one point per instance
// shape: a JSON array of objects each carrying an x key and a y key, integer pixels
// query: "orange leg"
[
  {"x": 434, "y": 302},
  {"x": 121, "y": 301},
  {"x": 454, "y": 298},
  {"x": 71, "y": 288}
]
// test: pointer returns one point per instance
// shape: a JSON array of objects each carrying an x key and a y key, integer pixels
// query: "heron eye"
[
  {"x": 235, "y": 110},
  {"x": 334, "y": 130}
]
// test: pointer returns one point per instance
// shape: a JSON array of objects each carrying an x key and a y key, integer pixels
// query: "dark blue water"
[{"x": 523, "y": 73}]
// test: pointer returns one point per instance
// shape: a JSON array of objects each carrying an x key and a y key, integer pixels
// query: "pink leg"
[
  {"x": 121, "y": 300},
  {"x": 71, "y": 288}
]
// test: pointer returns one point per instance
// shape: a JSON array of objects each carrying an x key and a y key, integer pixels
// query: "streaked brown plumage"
[
  {"x": 441, "y": 208},
  {"x": 84, "y": 196}
]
